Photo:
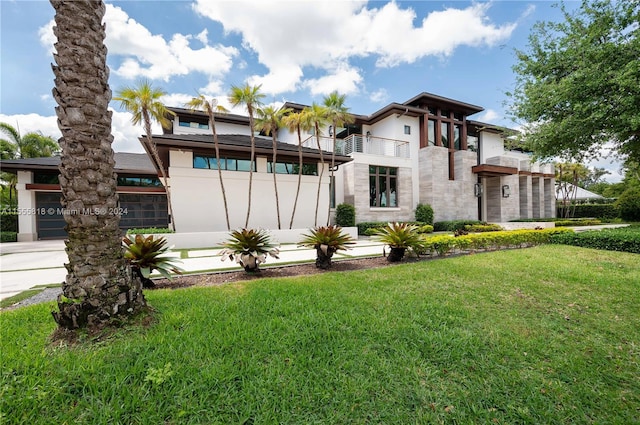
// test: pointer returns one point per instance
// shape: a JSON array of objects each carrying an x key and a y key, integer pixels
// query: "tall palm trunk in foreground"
[
  {"x": 100, "y": 284},
  {"x": 296, "y": 122}
]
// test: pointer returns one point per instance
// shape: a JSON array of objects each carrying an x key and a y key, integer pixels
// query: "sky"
[{"x": 374, "y": 52}]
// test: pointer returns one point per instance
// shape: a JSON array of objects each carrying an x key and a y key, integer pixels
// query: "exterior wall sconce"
[
  {"x": 506, "y": 191},
  {"x": 477, "y": 190}
]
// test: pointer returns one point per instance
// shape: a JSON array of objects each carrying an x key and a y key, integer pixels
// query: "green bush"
[
  {"x": 346, "y": 215},
  {"x": 443, "y": 244},
  {"x": 427, "y": 228},
  {"x": 149, "y": 231},
  {"x": 626, "y": 239},
  {"x": 577, "y": 222},
  {"x": 424, "y": 213},
  {"x": 629, "y": 204},
  {"x": 603, "y": 211},
  {"x": 453, "y": 225},
  {"x": 146, "y": 254},
  {"x": 9, "y": 221},
  {"x": 479, "y": 228},
  {"x": 249, "y": 248},
  {"x": 326, "y": 240},
  {"x": 8, "y": 236},
  {"x": 367, "y": 227}
]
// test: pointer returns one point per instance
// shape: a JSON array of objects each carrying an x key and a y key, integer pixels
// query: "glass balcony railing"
[{"x": 358, "y": 143}]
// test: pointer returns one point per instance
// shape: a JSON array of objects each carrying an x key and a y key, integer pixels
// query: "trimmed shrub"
[
  {"x": 443, "y": 244},
  {"x": 629, "y": 204},
  {"x": 578, "y": 222},
  {"x": 8, "y": 236},
  {"x": 346, "y": 215},
  {"x": 604, "y": 211},
  {"x": 367, "y": 227},
  {"x": 479, "y": 228},
  {"x": 452, "y": 226},
  {"x": 427, "y": 228},
  {"x": 626, "y": 239},
  {"x": 148, "y": 231},
  {"x": 424, "y": 213}
]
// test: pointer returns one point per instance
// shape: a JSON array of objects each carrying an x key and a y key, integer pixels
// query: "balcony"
[{"x": 357, "y": 143}]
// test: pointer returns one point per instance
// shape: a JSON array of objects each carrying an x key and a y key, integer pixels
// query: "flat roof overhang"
[{"x": 487, "y": 170}]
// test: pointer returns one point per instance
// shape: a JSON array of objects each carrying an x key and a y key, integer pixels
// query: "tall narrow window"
[
  {"x": 383, "y": 188},
  {"x": 457, "y": 131},
  {"x": 444, "y": 134},
  {"x": 407, "y": 129},
  {"x": 432, "y": 132}
]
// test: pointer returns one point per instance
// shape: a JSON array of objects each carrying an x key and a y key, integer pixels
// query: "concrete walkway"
[{"x": 24, "y": 265}]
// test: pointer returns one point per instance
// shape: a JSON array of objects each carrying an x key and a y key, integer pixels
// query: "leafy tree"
[
  {"x": 211, "y": 107},
  {"x": 143, "y": 101},
  {"x": 251, "y": 98},
  {"x": 577, "y": 83},
  {"x": 269, "y": 120},
  {"x": 99, "y": 286},
  {"x": 296, "y": 122},
  {"x": 15, "y": 146},
  {"x": 316, "y": 116},
  {"x": 31, "y": 145},
  {"x": 568, "y": 177},
  {"x": 338, "y": 114}
]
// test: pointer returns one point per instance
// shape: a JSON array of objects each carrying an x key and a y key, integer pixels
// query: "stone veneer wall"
[
  {"x": 356, "y": 193},
  {"x": 450, "y": 199}
]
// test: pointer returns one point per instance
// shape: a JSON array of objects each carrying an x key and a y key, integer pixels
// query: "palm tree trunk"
[
  {"x": 295, "y": 202},
  {"x": 275, "y": 181},
  {"x": 217, "y": 149},
  {"x": 333, "y": 164},
  {"x": 315, "y": 223},
  {"x": 100, "y": 284},
  {"x": 156, "y": 156},
  {"x": 253, "y": 156}
]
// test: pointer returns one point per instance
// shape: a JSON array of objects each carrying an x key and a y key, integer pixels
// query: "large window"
[
  {"x": 444, "y": 134},
  {"x": 139, "y": 181},
  {"x": 292, "y": 168},
  {"x": 457, "y": 132},
  {"x": 226, "y": 163},
  {"x": 192, "y": 124},
  {"x": 383, "y": 186}
]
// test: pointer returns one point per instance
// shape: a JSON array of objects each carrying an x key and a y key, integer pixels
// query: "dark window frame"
[{"x": 389, "y": 175}]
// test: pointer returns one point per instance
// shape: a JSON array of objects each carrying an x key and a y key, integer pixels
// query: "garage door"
[{"x": 50, "y": 223}]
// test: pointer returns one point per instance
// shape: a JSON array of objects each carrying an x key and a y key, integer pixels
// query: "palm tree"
[
  {"x": 296, "y": 122},
  {"x": 269, "y": 120},
  {"x": 14, "y": 146},
  {"x": 99, "y": 286},
  {"x": 31, "y": 145},
  {"x": 317, "y": 117},
  {"x": 338, "y": 115},
  {"x": 144, "y": 104},
  {"x": 251, "y": 98},
  {"x": 211, "y": 107}
]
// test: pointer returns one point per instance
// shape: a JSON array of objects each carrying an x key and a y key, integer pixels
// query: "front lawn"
[{"x": 549, "y": 334}]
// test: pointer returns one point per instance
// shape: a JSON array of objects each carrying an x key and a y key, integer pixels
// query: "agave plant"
[
  {"x": 399, "y": 237},
  {"x": 148, "y": 254},
  {"x": 326, "y": 240},
  {"x": 249, "y": 248}
]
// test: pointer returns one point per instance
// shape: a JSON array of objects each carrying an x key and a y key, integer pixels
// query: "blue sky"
[{"x": 375, "y": 52}]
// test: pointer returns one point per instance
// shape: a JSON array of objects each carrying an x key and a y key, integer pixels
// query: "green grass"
[{"x": 542, "y": 335}]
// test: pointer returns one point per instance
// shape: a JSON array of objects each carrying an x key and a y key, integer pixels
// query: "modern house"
[{"x": 425, "y": 150}]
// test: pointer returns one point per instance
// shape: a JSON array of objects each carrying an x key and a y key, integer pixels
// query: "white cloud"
[
  {"x": 489, "y": 116},
  {"x": 344, "y": 79},
  {"x": 144, "y": 54},
  {"x": 379, "y": 96},
  {"x": 323, "y": 34},
  {"x": 125, "y": 135}
]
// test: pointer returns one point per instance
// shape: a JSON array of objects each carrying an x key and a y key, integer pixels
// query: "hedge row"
[
  {"x": 479, "y": 228},
  {"x": 626, "y": 239},
  {"x": 8, "y": 237},
  {"x": 148, "y": 231},
  {"x": 443, "y": 244},
  {"x": 9, "y": 223},
  {"x": 453, "y": 225},
  {"x": 606, "y": 211},
  {"x": 365, "y": 226},
  {"x": 577, "y": 222}
]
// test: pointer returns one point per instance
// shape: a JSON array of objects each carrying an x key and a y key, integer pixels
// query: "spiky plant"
[
  {"x": 400, "y": 237},
  {"x": 326, "y": 240},
  {"x": 148, "y": 254},
  {"x": 249, "y": 248}
]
